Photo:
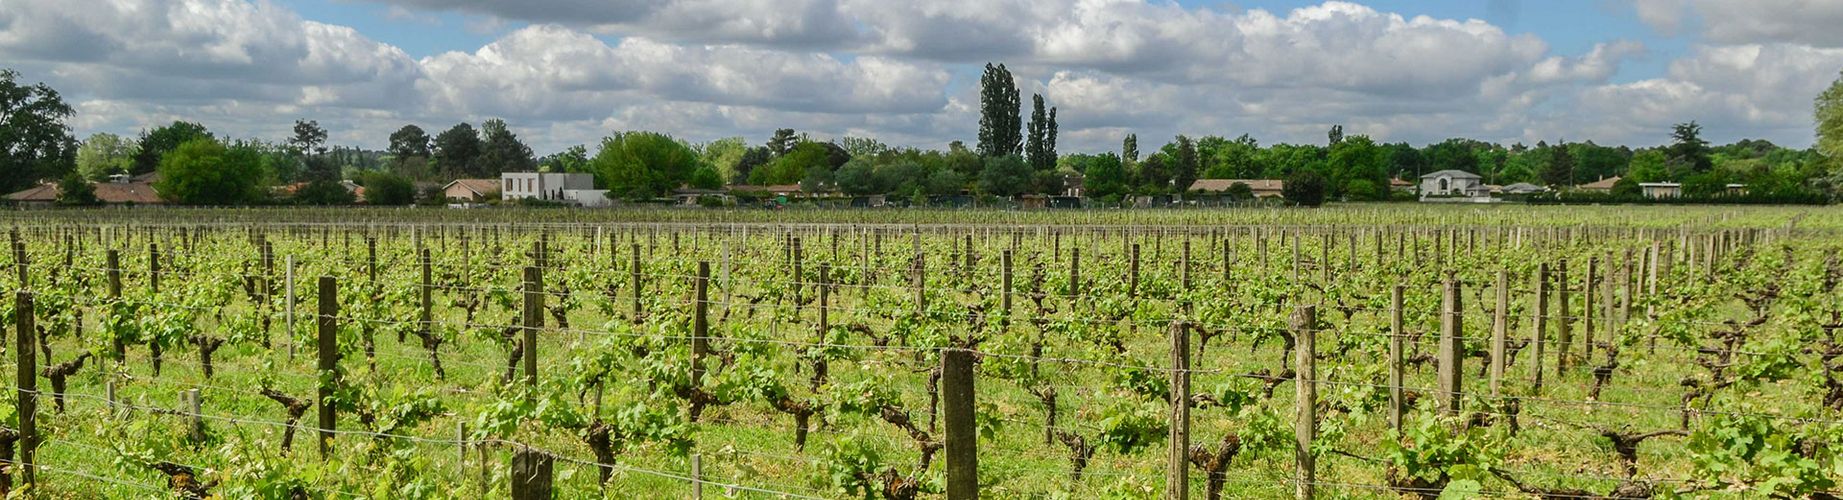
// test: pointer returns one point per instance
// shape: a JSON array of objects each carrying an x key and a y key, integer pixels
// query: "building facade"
[{"x": 542, "y": 186}]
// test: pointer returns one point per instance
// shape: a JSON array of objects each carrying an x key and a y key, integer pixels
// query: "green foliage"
[
  {"x": 1005, "y": 176},
  {"x": 1627, "y": 187},
  {"x": 1184, "y": 164},
  {"x": 154, "y": 145},
  {"x": 457, "y": 152},
  {"x": 205, "y": 172},
  {"x": 1106, "y": 177},
  {"x": 35, "y": 143},
  {"x": 1560, "y": 169},
  {"x": 324, "y": 193},
  {"x": 1688, "y": 154},
  {"x": 705, "y": 177},
  {"x": 1040, "y": 143},
  {"x": 1305, "y": 188},
  {"x": 105, "y": 154},
  {"x": 639, "y": 165},
  {"x": 1000, "y": 128},
  {"x": 1754, "y": 453},
  {"x": 75, "y": 191},
  {"x": 501, "y": 151},
  {"x": 1829, "y": 118},
  {"x": 382, "y": 188},
  {"x": 799, "y": 163}
]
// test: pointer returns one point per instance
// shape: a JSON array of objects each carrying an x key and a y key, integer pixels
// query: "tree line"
[{"x": 1012, "y": 157}]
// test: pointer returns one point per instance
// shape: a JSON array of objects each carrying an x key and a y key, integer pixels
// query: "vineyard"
[{"x": 1365, "y": 352}]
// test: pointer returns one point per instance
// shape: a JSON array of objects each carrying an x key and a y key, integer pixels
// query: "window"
[
  {"x": 1443, "y": 185},
  {"x": 508, "y": 184}
]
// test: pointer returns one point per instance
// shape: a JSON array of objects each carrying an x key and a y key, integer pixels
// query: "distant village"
[{"x": 578, "y": 190}]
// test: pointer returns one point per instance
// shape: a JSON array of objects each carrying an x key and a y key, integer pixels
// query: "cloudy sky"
[{"x": 566, "y": 72}]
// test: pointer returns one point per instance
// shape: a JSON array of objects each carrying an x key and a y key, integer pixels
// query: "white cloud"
[
  {"x": 906, "y": 72},
  {"x": 1807, "y": 22}
]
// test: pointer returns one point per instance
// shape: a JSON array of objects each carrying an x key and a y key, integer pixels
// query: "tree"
[
  {"x": 1230, "y": 159},
  {"x": 1829, "y": 111},
  {"x": 1336, "y": 135},
  {"x": 1154, "y": 174},
  {"x": 1184, "y": 164},
  {"x": 705, "y": 177},
  {"x": 1687, "y": 154},
  {"x": 1040, "y": 149},
  {"x": 1105, "y": 177},
  {"x": 409, "y": 142},
  {"x": 574, "y": 159},
  {"x": 999, "y": 124},
  {"x": 792, "y": 167},
  {"x": 205, "y": 172},
  {"x": 818, "y": 179},
  {"x": 457, "y": 152},
  {"x": 1648, "y": 166},
  {"x": 35, "y": 144},
  {"x": 308, "y": 138},
  {"x": 639, "y": 165},
  {"x": 862, "y": 147},
  {"x": 783, "y": 141},
  {"x": 105, "y": 154},
  {"x": 723, "y": 155},
  {"x": 75, "y": 191},
  {"x": 324, "y": 193},
  {"x": 752, "y": 158},
  {"x": 1129, "y": 151},
  {"x": 501, "y": 151},
  {"x": 387, "y": 189},
  {"x": 858, "y": 178},
  {"x": 1560, "y": 170},
  {"x": 1626, "y": 188},
  {"x": 1239, "y": 191},
  {"x": 1305, "y": 187},
  {"x": 155, "y": 144},
  {"x": 1005, "y": 176},
  {"x": 1357, "y": 168},
  {"x": 945, "y": 182}
]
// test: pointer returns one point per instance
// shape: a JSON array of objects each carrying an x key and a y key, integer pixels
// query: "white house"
[
  {"x": 542, "y": 186},
  {"x": 1658, "y": 190},
  {"x": 1453, "y": 183}
]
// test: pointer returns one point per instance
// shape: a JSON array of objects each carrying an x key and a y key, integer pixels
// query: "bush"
[
  {"x": 1627, "y": 187},
  {"x": 324, "y": 192},
  {"x": 1305, "y": 188},
  {"x": 1239, "y": 192},
  {"x": 75, "y": 191},
  {"x": 387, "y": 189}
]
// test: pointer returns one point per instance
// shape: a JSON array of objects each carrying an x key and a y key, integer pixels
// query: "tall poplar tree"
[
  {"x": 1000, "y": 126},
  {"x": 1040, "y": 145}
]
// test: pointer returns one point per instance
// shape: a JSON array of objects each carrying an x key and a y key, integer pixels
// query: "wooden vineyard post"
[
  {"x": 920, "y": 270},
  {"x": 195, "y": 422},
  {"x": 1587, "y": 309},
  {"x": 1177, "y": 481},
  {"x": 1500, "y": 328},
  {"x": 1074, "y": 273},
  {"x": 962, "y": 431},
  {"x": 27, "y": 404},
  {"x": 20, "y": 263},
  {"x": 1651, "y": 291},
  {"x": 1397, "y": 336},
  {"x": 799, "y": 278},
  {"x": 1452, "y": 326},
  {"x": 1305, "y": 325},
  {"x": 289, "y": 284},
  {"x": 700, "y": 324},
  {"x": 697, "y": 468},
  {"x": 634, "y": 269},
  {"x": 153, "y": 285},
  {"x": 426, "y": 316},
  {"x": 1005, "y": 280},
  {"x": 1564, "y": 333},
  {"x": 1541, "y": 321},
  {"x": 328, "y": 364},
  {"x": 534, "y": 320},
  {"x": 531, "y": 474},
  {"x": 114, "y": 263}
]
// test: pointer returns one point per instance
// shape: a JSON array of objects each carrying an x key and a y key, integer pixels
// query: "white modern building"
[
  {"x": 1453, "y": 184},
  {"x": 543, "y": 186}
]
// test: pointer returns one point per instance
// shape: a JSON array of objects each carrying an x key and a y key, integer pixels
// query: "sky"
[{"x": 568, "y": 72}]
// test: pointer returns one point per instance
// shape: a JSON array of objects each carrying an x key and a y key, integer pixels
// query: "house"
[
  {"x": 1262, "y": 188},
  {"x": 1658, "y": 190},
  {"x": 120, "y": 190},
  {"x": 1074, "y": 186},
  {"x": 1604, "y": 185},
  {"x": 545, "y": 186},
  {"x": 471, "y": 190},
  {"x": 1522, "y": 188},
  {"x": 1453, "y": 184}
]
